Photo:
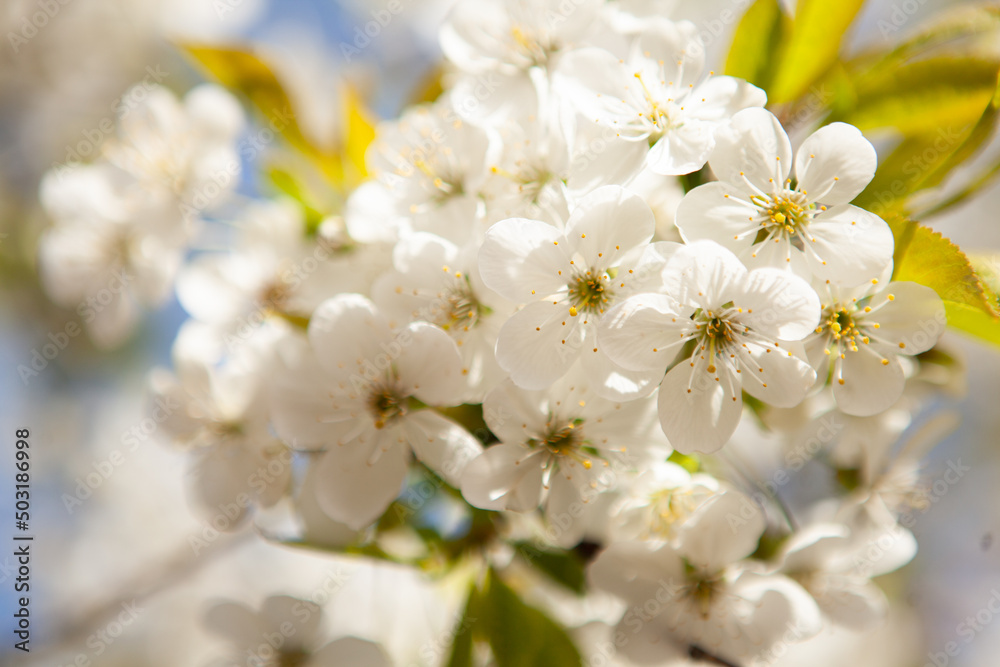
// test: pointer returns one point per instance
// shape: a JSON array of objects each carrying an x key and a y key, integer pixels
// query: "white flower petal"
[
  {"x": 521, "y": 259},
  {"x": 697, "y": 413},
  {"x": 607, "y": 224},
  {"x": 783, "y": 305},
  {"x": 514, "y": 414},
  {"x": 869, "y": 386},
  {"x": 725, "y": 529},
  {"x": 346, "y": 332},
  {"x": 504, "y": 476},
  {"x": 704, "y": 274},
  {"x": 539, "y": 343},
  {"x": 718, "y": 212},
  {"x": 847, "y": 245},
  {"x": 427, "y": 364},
  {"x": 356, "y": 491},
  {"x": 754, "y": 148},
  {"x": 440, "y": 444},
  {"x": 616, "y": 383},
  {"x": 721, "y": 97},
  {"x": 644, "y": 332},
  {"x": 682, "y": 150},
  {"x": 635, "y": 572},
  {"x": 852, "y": 603},
  {"x": 784, "y": 380},
  {"x": 835, "y": 164},
  {"x": 915, "y": 317}
]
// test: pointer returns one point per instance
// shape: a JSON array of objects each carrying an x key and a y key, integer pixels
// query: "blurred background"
[{"x": 126, "y": 550}]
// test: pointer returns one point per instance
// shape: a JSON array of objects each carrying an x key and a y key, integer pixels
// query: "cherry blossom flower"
[
  {"x": 862, "y": 334},
  {"x": 218, "y": 412},
  {"x": 703, "y": 594},
  {"x": 658, "y": 95},
  {"x": 569, "y": 280},
  {"x": 807, "y": 224},
  {"x": 360, "y": 391},
  {"x": 436, "y": 281},
  {"x": 728, "y": 329},
  {"x": 557, "y": 448},
  {"x": 428, "y": 167},
  {"x": 298, "y": 625}
]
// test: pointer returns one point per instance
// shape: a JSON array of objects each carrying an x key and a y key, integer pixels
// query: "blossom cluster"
[{"x": 616, "y": 256}]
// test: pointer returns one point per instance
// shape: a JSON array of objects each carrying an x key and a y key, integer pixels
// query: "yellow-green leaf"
[
  {"x": 973, "y": 322},
  {"x": 246, "y": 73},
  {"x": 243, "y": 72},
  {"x": 924, "y": 256},
  {"x": 945, "y": 28},
  {"x": 812, "y": 47},
  {"x": 359, "y": 133},
  {"x": 926, "y": 160},
  {"x": 753, "y": 52},
  {"x": 923, "y": 97}
]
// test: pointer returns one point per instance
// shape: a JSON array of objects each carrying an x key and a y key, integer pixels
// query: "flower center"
[
  {"x": 702, "y": 590},
  {"x": 840, "y": 324},
  {"x": 563, "y": 440},
  {"x": 664, "y": 115},
  {"x": 529, "y": 45},
  {"x": 589, "y": 293},
  {"x": 717, "y": 332},
  {"x": 566, "y": 441},
  {"x": 386, "y": 404},
  {"x": 670, "y": 507},
  {"x": 786, "y": 213},
  {"x": 457, "y": 308},
  {"x": 294, "y": 657}
]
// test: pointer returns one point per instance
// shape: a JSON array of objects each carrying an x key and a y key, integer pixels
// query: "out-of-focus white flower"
[
  {"x": 219, "y": 412},
  {"x": 558, "y": 449},
  {"x": 702, "y": 595},
  {"x": 657, "y": 502},
  {"x": 181, "y": 149},
  {"x": 359, "y": 392},
  {"x": 429, "y": 167},
  {"x": 658, "y": 95},
  {"x": 110, "y": 252},
  {"x": 499, "y": 44},
  {"x": 569, "y": 280},
  {"x": 436, "y": 281},
  {"x": 835, "y": 566},
  {"x": 297, "y": 624},
  {"x": 807, "y": 226},
  {"x": 738, "y": 322}
]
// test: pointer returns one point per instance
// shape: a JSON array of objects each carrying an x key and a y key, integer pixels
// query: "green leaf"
[
  {"x": 689, "y": 463},
  {"x": 755, "y": 45},
  {"x": 244, "y": 72},
  {"x": 564, "y": 567},
  {"x": 519, "y": 635},
  {"x": 462, "y": 645},
  {"x": 925, "y": 161},
  {"x": 923, "y": 97},
  {"x": 945, "y": 28},
  {"x": 906, "y": 170},
  {"x": 812, "y": 47},
  {"x": 924, "y": 256},
  {"x": 286, "y": 183},
  {"x": 973, "y": 322},
  {"x": 975, "y": 139}
]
